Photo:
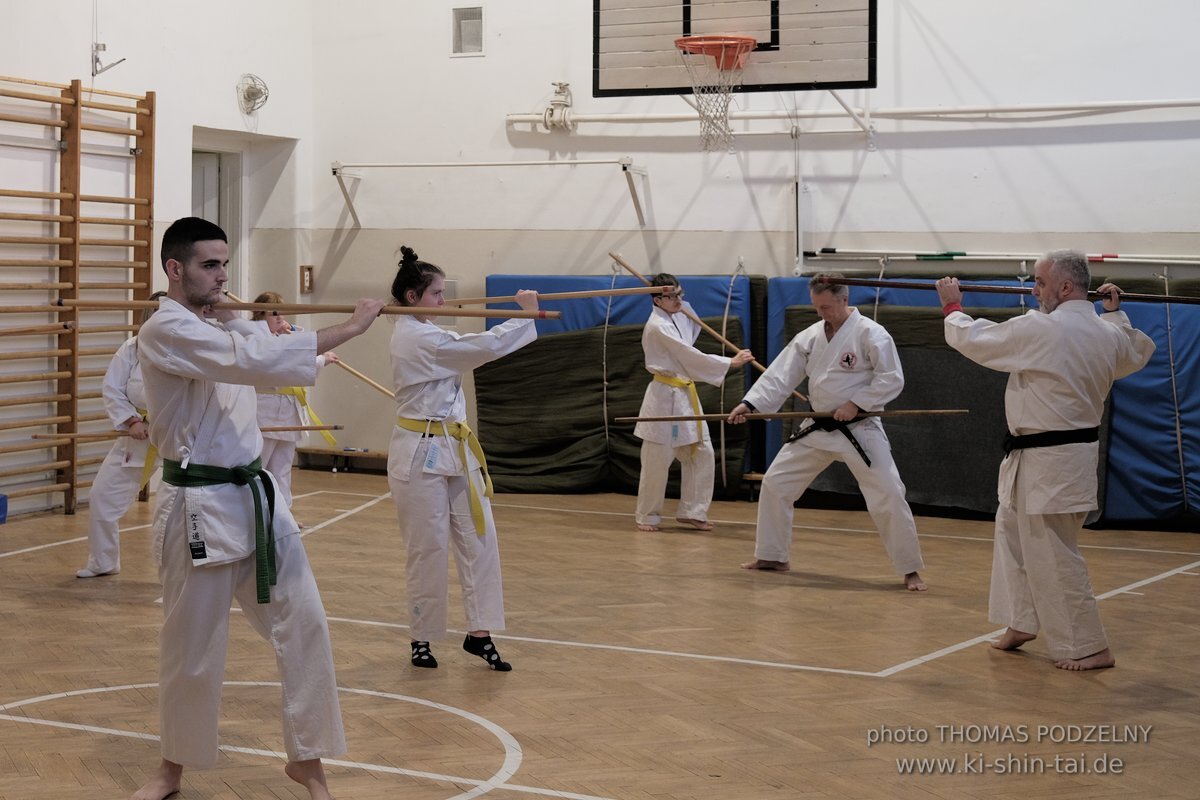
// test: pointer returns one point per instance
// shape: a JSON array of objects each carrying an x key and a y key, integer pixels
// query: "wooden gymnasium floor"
[{"x": 646, "y": 667}]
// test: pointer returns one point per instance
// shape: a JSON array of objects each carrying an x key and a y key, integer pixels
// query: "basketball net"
[{"x": 714, "y": 66}]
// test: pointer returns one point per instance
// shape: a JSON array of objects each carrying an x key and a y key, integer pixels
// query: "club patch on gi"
[{"x": 848, "y": 360}]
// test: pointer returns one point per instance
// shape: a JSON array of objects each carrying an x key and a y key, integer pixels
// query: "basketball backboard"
[{"x": 802, "y": 44}]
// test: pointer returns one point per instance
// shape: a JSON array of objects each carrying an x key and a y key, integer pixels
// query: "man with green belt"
[{"x": 219, "y": 534}]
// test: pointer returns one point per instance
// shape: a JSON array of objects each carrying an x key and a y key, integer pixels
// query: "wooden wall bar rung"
[
  {"x": 56, "y": 328},
  {"x": 27, "y": 193},
  {"x": 114, "y": 285},
  {"x": 89, "y": 395},
  {"x": 36, "y": 240},
  {"x": 35, "y": 263},
  {"x": 34, "y": 468},
  {"x": 114, "y": 107},
  {"x": 40, "y": 444},
  {"x": 34, "y": 399},
  {"x": 37, "y": 98},
  {"x": 87, "y": 462},
  {"x": 96, "y": 351},
  {"x": 114, "y": 264},
  {"x": 45, "y": 287},
  {"x": 37, "y": 217},
  {"x": 17, "y": 355},
  {"x": 33, "y": 423},
  {"x": 53, "y": 488},
  {"x": 91, "y": 417},
  {"x": 113, "y": 129},
  {"x": 34, "y": 376},
  {"x": 24, "y": 120},
  {"x": 51, "y": 85},
  {"x": 113, "y": 242},
  {"x": 99, "y": 198},
  {"x": 90, "y": 373},
  {"x": 129, "y": 223}
]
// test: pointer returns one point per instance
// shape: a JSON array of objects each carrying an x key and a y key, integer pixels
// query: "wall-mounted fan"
[{"x": 252, "y": 93}]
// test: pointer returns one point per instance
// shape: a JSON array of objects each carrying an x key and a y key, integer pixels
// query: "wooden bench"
[{"x": 343, "y": 459}]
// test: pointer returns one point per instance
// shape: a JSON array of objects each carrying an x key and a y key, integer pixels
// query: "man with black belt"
[
  {"x": 220, "y": 533},
  {"x": 852, "y": 366},
  {"x": 1062, "y": 361}
]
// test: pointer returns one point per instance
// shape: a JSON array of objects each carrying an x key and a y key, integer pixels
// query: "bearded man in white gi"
[
  {"x": 219, "y": 535},
  {"x": 852, "y": 366},
  {"x": 668, "y": 340},
  {"x": 1062, "y": 361}
]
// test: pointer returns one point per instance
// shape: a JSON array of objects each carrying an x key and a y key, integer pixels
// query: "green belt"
[{"x": 264, "y": 536}]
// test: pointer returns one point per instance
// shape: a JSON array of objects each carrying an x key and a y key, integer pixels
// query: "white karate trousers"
[
  {"x": 113, "y": 490},
  {"x": 277, "y": 457},
  {"x": 435, "y": 514},
  {"x": 195, "y": 637},
  {"x": 798, "y": 463},
  {"x": 1040, "y": 582},
  {"x": 696, "y": 471}
]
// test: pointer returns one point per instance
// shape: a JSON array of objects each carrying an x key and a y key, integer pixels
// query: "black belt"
[
  {"x": 1050, "y": 439},
  {"x": 831, "y": 424}
]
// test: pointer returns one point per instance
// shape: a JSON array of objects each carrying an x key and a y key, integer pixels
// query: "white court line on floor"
[
  {"x": 344, "y": 514},
  {"x": 61, "y": 542},
  {"x": 513, "y": 753}
]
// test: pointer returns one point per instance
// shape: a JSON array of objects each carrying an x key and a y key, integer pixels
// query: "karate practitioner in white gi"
[
  {"x": 668, "y": 340},
  {"x": 435, "y": 465},
  {"x": 852, "y": 365},
  {"x": 1062, "y": 360},
  {"x": 283, "y": 406},
  {"x": 213, "y": 542},
  {"x": 124, "y": 470}
]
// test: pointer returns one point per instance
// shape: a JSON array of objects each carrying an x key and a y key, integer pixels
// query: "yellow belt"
[
  {"x": 301, "y": 394},
  {"x": 681, "y": 383},
  {"x": 466, "y": 438},
  {"x": 151, "y": 455}
]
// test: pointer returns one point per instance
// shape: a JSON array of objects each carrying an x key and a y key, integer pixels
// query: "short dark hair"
[
  {"x": 180, "y": 239},
  {"x": 413, "y": 274},
  {"x": 817, "y": 284}
]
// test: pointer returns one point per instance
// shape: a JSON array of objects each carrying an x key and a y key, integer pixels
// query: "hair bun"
[{"x": 408, "y": 255}]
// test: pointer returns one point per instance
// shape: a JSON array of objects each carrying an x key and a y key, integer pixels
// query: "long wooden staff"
[
  {"x": 119, "y": 434},
  {"x": 582, "y": 295},
  {"x": 299, "y": 308},
  {"x": 698, "y": 321},
  {"x": 802, "y": 415},
  {"x": 989, "y": 289},
  {"x": 341, "y": 364}
]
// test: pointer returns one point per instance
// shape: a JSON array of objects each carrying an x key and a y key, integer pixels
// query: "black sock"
[
  {"x": 483, "y": 647},
  {"x": 422, "y": 656}
]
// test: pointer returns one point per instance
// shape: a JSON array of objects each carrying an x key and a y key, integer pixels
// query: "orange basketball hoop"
[{"x": 713, "y": 81}]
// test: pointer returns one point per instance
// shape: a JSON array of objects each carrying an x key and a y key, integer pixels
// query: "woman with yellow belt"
[{"x": 436, "y": 468}]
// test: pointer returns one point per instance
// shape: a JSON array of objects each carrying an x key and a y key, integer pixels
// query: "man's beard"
[{"x": 197, "y": 297}]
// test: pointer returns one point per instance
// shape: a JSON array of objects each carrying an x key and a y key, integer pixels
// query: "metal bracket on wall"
[{"x": 343, "y": 172}]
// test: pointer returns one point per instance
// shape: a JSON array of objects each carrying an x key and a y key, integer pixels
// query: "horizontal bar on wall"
[
  {"x": 113, "y": 242},
  {"x": 113, "y": 285},
  {"x": 99, "y": 198},
  {"x": 115, "y": 107},
  {"x": 115, "y": 264},
  {"x": 134, "y": 223},
  {"x": 41, "y": 444},
  {"x": 46, "y": 287},
  {"x": 89, "y": 395},
  {"x": 30, "y": 309},
  {"x": 57, "y": 328},
  {"x": 18, "y": 355},
  {"x": 49, "y": 489},
  {"x": 47, "y": 240},
  {"x": 31, "y": 469},
  {"x": 34, "y": 399},
  {"x": 34, "y": 262},
  {"x": 35, "y": 195},
  {"x": 107, "y": 328},
  {"x": 33, "y": 423},
  {"x": 37, "y": 98},
  {"x": 113, "y": 129},
  {"x": 49, "y": 84},
  {"x": 30, "y": 377},
  {"x": 20, "y": 118},
  {"x": 36, "y": 217}
]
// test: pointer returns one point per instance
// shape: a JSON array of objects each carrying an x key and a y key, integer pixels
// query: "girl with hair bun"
[{"x": 436, "y": 468}]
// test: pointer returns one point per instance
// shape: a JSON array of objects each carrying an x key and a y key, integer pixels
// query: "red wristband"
[{"x": 950, "y": 308}]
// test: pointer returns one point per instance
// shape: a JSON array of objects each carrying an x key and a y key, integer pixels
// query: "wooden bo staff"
[
  {"x": 299, "y": 308},
  {"x": 915, "y": 412},
  {"x": 988, "y": 289},
  {"x": 341, "y": 364},
  {"x": 698, "y": 321},
  {"x": 583, "y": 295},
  {"x": 119, "y": 434}
]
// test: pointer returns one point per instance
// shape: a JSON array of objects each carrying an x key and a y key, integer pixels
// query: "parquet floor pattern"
[{"x": 647, "y": 666}]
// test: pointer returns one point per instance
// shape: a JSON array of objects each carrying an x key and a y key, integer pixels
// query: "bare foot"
[
  {"x": 698, "y": 524},
  {"x": 770, "y": 566},
  {"x": 913, "y": 582},
  {"x": 1102, "y": 660},
  {"x": 311, "y": 775},
  {"x": 1011, "y": 639},
  {"x": 644, "y": 526},
  {"x": 163, "y": 784}
]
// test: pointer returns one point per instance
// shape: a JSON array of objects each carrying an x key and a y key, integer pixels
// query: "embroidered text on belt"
[
  {"x": 1050, "y": 439},
  {"x": 682, "y": 383},
  {"x": 301, "y": 394},
  {"x": 250, "y": 475},
  {"x": 831, "y": 424},
  {"x": 151, "y": 454},
  {"x": 466, "y": 438}
]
